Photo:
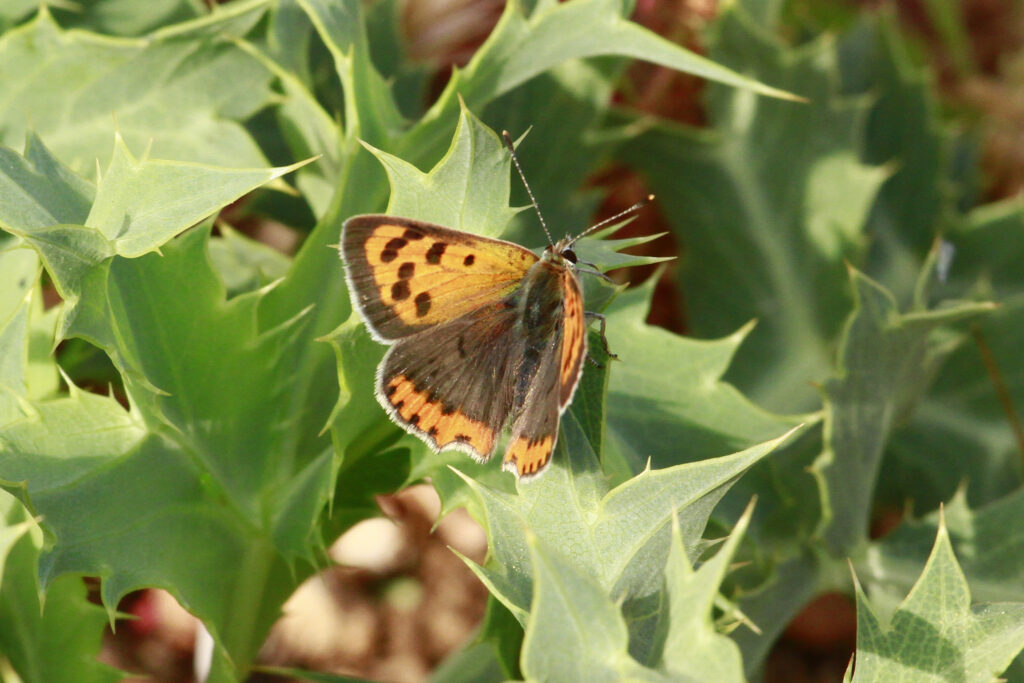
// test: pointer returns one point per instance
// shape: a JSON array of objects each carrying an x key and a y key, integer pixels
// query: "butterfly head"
[{"x": 561, "y": 252}]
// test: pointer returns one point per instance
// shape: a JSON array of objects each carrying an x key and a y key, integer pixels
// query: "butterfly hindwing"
[
  {"x": 406, "y": 275},
  {"x": 574, "y": 339},
  {"x": 452, "y": 384},
  {"x": 540, "y": 404}
]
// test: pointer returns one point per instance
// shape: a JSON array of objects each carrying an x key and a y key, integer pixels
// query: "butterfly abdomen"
[{"x": 542, "y": 300}]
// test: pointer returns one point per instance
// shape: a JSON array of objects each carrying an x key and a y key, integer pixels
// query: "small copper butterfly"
[{"x": 483, "y": 332}]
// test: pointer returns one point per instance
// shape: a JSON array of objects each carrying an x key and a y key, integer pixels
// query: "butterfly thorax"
[{"x": 541, "y": 298}]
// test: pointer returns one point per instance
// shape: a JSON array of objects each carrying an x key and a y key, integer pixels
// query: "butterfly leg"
[{"x": 604, "y": 340}]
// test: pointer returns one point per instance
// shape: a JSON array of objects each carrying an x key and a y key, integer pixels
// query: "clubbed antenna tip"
[{"x": 621, "y": 214}]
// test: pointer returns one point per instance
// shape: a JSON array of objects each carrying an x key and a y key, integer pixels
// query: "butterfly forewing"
[{"x": 406, "y": 275}]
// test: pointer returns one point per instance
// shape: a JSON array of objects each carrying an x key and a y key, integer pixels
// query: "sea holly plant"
[
  {"x": 192, "y": 411},
  {"x": 217, "y": 448}
]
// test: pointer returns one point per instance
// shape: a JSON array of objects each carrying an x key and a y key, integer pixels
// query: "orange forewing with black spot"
[
  {"x": 407, "y": 275},
  {"x": 483, "y": 333}
]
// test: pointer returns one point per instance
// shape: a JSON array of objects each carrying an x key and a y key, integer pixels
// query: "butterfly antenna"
[
  {"x": 515, "y": 160},
  {"x": 621, "y": 214}
]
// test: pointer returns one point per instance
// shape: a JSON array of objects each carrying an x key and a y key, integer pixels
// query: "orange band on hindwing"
[
  {"x": 529, "y": 456},
  {"x": 443, "y": 426}
]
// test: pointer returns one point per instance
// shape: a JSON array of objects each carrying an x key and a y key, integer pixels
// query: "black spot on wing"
[
  {"x": 422, "y": 303},
  {"x": 435, "y": 252},
  {"x": 400, "y": 291},
  {"x": 391, "y": 249},
  {"x": 406, "y": 270},
  {"x": 468, "y": 261}
]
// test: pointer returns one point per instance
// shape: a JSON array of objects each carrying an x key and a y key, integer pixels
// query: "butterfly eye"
[{"x": 569, "y": 255}]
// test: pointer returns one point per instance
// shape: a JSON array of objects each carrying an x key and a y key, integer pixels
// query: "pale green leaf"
[
  {"x": 180, "y": 97},
  {"x": 245, "y": 264},
  {"x": 140, "y": 204},
  {"x": 937, "y": 634},
  {"x": 620, "y": 537},
  {"x": 770, "y": 203},
  {"x": 884, "y": 362},
  {"x": 14, "y": 327},
  {"x": 990, "y": 551},
  {"x": 37, "y": 190},
  {"x": 666, "y": 398},
  {"x": 370, "y": 111},
  {"x": 575, "y": 632},
  {"x": 960, "y": 432},
  {"x": 467, "y": 190},
  {"x": 56, "y": 642},
  {"x": 693, "y": 647},
  {"x": 125, "y": 17}
]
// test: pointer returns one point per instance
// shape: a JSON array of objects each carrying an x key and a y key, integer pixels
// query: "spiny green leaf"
[
  {"x": 370, "y": 111},
  {"x": 59, "y": 642},
  {"x": 123, "y": 17},
  {"x": 522, "y": 46},
  {"x": 245, "y": 264},
  {"x": 903, "y": 131},
  {"x": 575, "y": 632},
  {"x": 223, "y": 480},
  {"x": 111, "y": 494},
  {"x": 620, "y": 537},
  {"x": 991, "y": 551},
  {"x": 607, "y": 254},
  {"x": 140, "y": 204},
  {"x": 936, "y": 634},
  {"x": 666, "y": 398},
  {"x": 770, "y": 204},
  {"x": 693, "y": 647},
  {"x": 467, "y": 189},
  {"x": 557, "y": 147},
  {"x": 884, "y": 362},
  {"x": 14, "y": 359},
  {"x": 76, "y": 88},
  {"x": 37, "y": 190},
  {"x": 309, "y": 131},
  {"x": 960, "y": 432}
]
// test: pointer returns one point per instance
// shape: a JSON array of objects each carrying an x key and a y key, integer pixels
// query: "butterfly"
[{"x": 482, "y": 332}]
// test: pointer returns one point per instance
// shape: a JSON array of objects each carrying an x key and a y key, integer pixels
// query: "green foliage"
[
  {"x": 936, "y": 634},
  {"x": 30, "y": 633},
  {"x": 240, "y": 428}
]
